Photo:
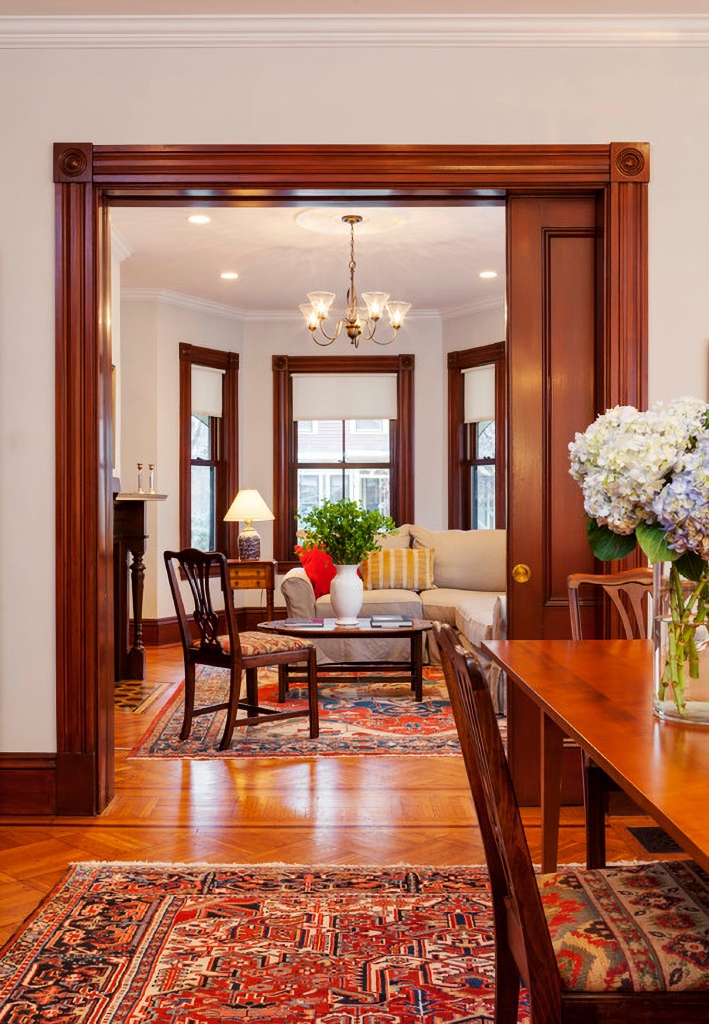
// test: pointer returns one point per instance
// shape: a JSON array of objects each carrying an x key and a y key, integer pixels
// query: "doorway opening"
[{"x": 91, "y": 179}]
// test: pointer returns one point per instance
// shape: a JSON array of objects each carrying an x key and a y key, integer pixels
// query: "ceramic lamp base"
[{"x": 249, "y": 546}]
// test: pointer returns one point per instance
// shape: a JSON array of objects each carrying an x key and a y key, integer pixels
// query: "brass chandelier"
[{"x": 359, "y": 322}]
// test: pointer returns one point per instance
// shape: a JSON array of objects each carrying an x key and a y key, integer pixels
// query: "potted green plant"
[{"x": 348, "y": 533}]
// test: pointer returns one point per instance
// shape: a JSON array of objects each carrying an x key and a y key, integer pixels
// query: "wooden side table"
[{"x": 254, "y": 576}]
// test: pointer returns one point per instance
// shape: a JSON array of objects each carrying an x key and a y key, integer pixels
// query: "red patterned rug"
[
  {"x": 361, "y": 714},
  {"x": 175, "y": 944}
]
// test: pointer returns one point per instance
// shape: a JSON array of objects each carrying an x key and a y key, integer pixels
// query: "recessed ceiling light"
[
  {"x": 229, "y": 275},
  {"x": 488, "y": 273},
  {"x": 199, "y": 218}
]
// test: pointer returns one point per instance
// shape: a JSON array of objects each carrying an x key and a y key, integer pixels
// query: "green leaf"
[
  {"x": 653, "y": 541},
  {"x": 607, "y": 545},
  {"x": 691, "y": 566}
]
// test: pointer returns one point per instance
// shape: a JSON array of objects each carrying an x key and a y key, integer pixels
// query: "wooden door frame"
[{"x": 89, "y": 179}]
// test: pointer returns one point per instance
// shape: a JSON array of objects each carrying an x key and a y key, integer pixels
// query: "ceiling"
[
  {"x": 429, "y": 256},
  {"x": 29, "y": 8}
]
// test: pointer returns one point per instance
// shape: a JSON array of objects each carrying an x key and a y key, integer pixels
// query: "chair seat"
[
  {"x": 257, "y": 643},
  {"x": 630, "y": 928}
]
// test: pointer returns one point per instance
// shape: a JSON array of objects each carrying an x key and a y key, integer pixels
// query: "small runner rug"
[
  {"x": 273, "y": 944},
  {"x": 362, "y": 714}
]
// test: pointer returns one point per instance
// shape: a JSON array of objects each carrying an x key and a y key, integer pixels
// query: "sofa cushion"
[
  {"x": 319, "y": 567},
  {"x": 466, "y": 559},
  {"x": 475, "y": 616},
  {"x": 400, "y": 539},
  {"x": 398, "y": 569},
  {"x": 440, "y": 604},
  {"x": 392, "y": 602}
]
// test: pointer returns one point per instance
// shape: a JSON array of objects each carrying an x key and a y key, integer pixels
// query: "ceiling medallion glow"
[{"x": 358, "y": 322}]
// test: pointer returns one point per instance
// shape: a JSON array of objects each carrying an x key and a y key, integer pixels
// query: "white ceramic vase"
[{"x": 346, "y": 595}]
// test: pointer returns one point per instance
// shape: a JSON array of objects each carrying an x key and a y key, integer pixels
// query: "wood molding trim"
[
  {"x": 89, "y": 178},
  {"x": 28, "y": 783},
  {"x": 458, "y": 361}
]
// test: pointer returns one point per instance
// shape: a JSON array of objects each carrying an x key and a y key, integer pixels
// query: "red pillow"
[{"x": 319, "y": 568}]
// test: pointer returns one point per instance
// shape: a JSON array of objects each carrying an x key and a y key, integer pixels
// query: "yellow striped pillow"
[{"x": 398, "y": 569}]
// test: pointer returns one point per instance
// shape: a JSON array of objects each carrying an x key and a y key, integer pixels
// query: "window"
[
  {"x": 363, "y": 464},
  {"x": 476, "y": 438},
  {"x": 208, "y": 447},
  {"x": 356, "y": 442}
]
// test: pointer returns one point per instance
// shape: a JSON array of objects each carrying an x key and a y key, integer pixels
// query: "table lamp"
[{"x": 247, "y": 506}]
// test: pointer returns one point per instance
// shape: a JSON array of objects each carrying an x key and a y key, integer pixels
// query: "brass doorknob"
[{"x": 521, "y": 573}]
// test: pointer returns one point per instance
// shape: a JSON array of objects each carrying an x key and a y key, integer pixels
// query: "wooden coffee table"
[{"x": 364, "y": 631}]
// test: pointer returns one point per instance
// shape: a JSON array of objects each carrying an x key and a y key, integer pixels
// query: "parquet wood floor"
[{"x": 378, "y": 810}]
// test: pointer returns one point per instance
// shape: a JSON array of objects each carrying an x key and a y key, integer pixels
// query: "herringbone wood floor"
[{"x": 379, "y": 810}]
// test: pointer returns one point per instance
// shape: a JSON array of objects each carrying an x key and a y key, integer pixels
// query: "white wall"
[{"x": 281, "y": 95}]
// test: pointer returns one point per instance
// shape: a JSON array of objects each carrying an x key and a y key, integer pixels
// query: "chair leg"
[
  {"x": 282, "y": 683},
  {"x": 313, "y": 694},
  {"x": 234, "y": 695},
  {"x": 594, "y": 796},
  {"x": 189, "y": 701},
  {"x": 252, "y": 686},
  {"x": 507, "y": 981}
]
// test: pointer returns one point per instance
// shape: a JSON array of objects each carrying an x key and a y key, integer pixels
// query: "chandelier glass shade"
[{"x": 359, "y": 322}]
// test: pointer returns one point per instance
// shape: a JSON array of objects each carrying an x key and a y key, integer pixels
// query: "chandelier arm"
[
  {"x": 378, "y": 342},
  {"x": 330, "y": 338}
]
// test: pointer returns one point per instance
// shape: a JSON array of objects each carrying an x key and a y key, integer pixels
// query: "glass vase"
[{"x": 680, "y": 646}]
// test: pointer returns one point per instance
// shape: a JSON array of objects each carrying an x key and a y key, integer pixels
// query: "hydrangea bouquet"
[{"x": 645, "y": 481}]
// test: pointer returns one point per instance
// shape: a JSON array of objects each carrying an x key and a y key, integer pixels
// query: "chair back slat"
[
  {"x": 201, "y": 569},
  {"x": 630, "y": 593},
  {"x": 515, "y": 893}
]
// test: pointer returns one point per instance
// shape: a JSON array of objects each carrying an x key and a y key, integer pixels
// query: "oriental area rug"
[
  {"x": 360, "y": 714},
  {"x": 177, "y": 944}
]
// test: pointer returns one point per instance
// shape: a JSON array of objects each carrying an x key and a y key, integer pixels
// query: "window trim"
[
  {"x": 228, "y": 462},
  {"x": 458, "y": 462},
  {"x": 402, "y": 439}
]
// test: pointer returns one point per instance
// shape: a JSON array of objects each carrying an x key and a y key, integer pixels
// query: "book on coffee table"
[
  {"x": 390, "y": 621},
  {"x": 305, "y": 622}
]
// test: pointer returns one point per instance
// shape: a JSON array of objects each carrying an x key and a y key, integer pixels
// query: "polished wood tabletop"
[{"x": 599, "y": 693}]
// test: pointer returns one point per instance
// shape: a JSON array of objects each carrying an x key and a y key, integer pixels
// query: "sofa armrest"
[{"x": 298, "y": 593}]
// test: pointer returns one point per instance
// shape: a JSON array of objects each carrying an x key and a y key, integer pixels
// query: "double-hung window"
[
  {"x": 476, "y": 434},
  {"x": 343, "y": 429},
  {"x": 208, "y": 447}
]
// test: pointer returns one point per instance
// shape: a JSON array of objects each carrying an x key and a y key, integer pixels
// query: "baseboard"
[{"x": 28, "y": 783}]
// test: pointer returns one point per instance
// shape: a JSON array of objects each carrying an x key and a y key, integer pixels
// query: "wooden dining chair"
[
  {"x": 241, "y": 653},
  {"x": 630, "y": 594},
  {"x": 628, "y": 943}
]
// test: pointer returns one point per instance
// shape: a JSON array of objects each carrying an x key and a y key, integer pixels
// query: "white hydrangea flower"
[{"x": 626, "y": 457}]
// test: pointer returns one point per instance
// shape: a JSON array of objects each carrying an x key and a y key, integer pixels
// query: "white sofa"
[{"x": 468, "y": 591}]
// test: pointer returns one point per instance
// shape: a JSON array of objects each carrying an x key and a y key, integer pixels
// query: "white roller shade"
[
  {"x": 344, "y": 396},
  {"x": 479, "y": 390},
  {"x": 207, "y": 390}
]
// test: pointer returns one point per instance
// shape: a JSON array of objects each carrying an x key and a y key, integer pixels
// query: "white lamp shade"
[
  {"x": 479, "y": 393},
  {"x": 248, "y": 505}
]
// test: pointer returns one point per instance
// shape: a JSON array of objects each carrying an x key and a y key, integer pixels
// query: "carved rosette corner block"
[
  {"x": 630, "y": 161},
  {"x": 279, "y": 363},
  {"x": 407, "y": 361},
  {"x": 73, "y": 162}
]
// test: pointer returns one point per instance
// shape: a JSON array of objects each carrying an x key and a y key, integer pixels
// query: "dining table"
[{"x": 599, "y": 694}]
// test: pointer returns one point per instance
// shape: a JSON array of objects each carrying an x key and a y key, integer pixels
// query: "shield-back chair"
[
  {"x": 624, "y": 944},
  {"x": 245, "y": 653},
  {"x": 630, "y": 594}
]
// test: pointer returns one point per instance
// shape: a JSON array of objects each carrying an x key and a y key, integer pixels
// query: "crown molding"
[
  {"x": 192, "y": 302},
  {"x": 119, "y": 247},
  {"x": 481, "y": 306},
  {"x": 369, "y": 31}
]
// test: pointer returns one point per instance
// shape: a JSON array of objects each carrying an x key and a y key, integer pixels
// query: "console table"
[{"x": 130, "y": 533}]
